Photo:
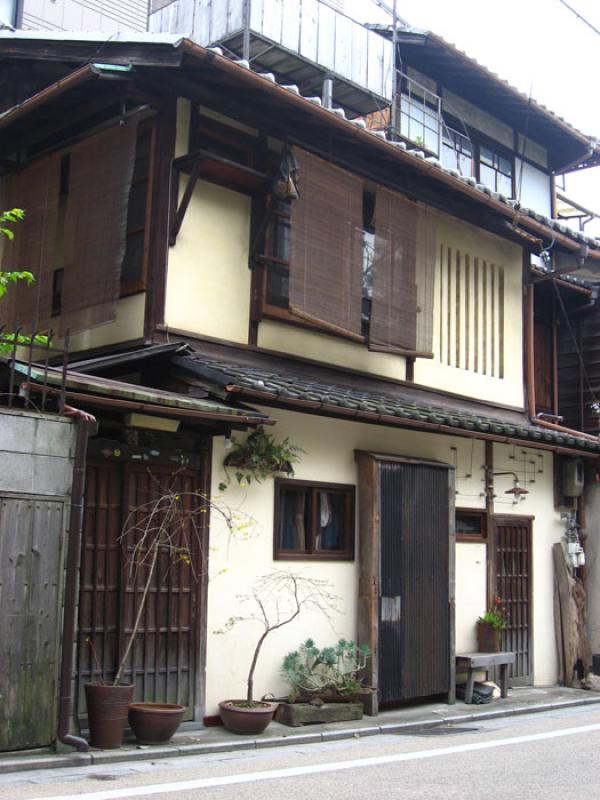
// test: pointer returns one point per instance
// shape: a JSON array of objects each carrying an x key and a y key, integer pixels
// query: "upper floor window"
[
  {"x": 495, "y": 171},
  {"x": 457, "y": 152},
  {"x": 351, "y": 260},
  {"x": 419, "y": 114},
  {"x": 8, "y": 12}
]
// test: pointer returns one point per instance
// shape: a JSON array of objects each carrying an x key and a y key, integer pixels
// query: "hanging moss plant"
[{"x": 259, "y": 457}]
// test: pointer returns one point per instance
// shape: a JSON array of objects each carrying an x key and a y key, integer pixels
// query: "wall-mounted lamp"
[{"x": 517, "y": 491}]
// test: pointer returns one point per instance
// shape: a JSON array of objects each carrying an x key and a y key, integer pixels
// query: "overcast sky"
[{"x": 539, "y": 46}]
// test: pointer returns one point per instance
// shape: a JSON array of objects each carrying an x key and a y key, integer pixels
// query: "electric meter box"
[{"x": 572, "y": 477}]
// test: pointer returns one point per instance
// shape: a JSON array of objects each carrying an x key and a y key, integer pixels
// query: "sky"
[{"x": 539, "y": 46}]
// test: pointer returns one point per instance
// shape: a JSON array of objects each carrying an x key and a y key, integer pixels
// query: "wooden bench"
[{"x": 470, "y": 662}]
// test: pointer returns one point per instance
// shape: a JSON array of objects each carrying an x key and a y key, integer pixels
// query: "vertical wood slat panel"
[
  {"x": 163, "y": 657},
  {"x": 513, "y": 583},
  {"x": 31, "y": 567},
  {"x": 414, "y": 601}
]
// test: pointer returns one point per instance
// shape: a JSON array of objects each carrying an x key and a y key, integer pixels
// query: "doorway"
[{"x": 163, "y": 662}]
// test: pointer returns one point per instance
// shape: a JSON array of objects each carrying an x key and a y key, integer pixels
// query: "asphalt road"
[{"x": 537, "y": 756}]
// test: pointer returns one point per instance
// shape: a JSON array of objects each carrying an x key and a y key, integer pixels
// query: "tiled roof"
[{"x": 395, "y": 406}]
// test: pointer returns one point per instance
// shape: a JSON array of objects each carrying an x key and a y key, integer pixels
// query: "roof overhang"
[
  {"x": 183, "y": 64},
  {"x": 568, "y": 147}
]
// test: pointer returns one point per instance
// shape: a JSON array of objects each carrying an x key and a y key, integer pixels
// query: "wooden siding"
[
  {"x": 85, "y": 15},
  {"x": 579, "y": 386},
  {"x": 31, "y": 569}
]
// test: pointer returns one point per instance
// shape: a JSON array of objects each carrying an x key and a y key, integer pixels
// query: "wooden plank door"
[
  {"x": 163, "y": 660},
  {"x": 414, "y": 612},
  {"x": 513, "y": 583}
]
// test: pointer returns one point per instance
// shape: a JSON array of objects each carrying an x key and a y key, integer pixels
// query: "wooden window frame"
[
  {"x": 498, "y": 150},
  {"x": 130, "y": 287},
  {"x": 310, "y": 554},
  {"x": 469, "y": 537}
]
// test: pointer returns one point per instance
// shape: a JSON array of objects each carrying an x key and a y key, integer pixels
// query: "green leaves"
[
  {"x": 12, "y": 216},
  {"x": 327, "y": 673},
  {"x": 259, "y": 457}
]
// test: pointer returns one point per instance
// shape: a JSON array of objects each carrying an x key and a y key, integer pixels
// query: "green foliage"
[
  {"x": 325, "y": 673},
  {"x": 495, "y": 616},
  {"x": 10, "y": 218},
  {"x": 7, "y": 278},
  {"x": 259, "y": 457}
]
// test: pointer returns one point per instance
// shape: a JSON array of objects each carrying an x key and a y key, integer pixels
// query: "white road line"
[{"x": 294, "y": 772}]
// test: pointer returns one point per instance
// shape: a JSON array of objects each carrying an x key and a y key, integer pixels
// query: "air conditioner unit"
[{"x": 572, "y": 477}]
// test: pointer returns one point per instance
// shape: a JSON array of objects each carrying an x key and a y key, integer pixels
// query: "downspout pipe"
[{"x": 86, "y": 427}]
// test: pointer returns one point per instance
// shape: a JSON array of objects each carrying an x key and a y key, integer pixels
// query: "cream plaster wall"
[
  {"x": 208, "y": 285},
  {"x": 329, "y": 349},
  {"x": 547, "y": 529},
  {"x": 432, "y": 372},
  {"x": 127, "y": 326},
  {"x": 329, "y": 446}
]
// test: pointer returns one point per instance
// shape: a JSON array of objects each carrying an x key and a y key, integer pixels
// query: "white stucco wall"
[{"x": 329, "y": 446}]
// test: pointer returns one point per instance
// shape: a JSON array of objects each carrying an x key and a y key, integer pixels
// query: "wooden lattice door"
[
  {"x": 164, "y": 657},
  {"x": 513, "y": 583}
]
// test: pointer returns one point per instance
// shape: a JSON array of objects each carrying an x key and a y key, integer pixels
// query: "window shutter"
[
  {"x": 95, "y": 226},
  {"x": 326, "y": 247},
  {"x": 34, "y": 189},
  {"x": 403, "y": 275}
]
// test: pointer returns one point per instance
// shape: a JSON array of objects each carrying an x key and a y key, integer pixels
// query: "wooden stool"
[{"x": 470, "y": 662}]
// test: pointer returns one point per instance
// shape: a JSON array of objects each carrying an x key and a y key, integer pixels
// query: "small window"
[
  {"x": 470, "y": 525},
  {"x": 313, "y": 520},
  {"x": 495, "y": 171}
]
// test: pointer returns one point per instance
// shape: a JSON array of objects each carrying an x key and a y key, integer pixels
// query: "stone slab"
[{"x": 297, "y": 714}]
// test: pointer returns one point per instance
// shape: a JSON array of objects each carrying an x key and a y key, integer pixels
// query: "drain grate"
[{"x": 438, "y": 730}]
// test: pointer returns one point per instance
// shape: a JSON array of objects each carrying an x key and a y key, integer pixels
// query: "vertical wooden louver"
[
  {"x": 403, "y": 275},
  {"x": 95, "y": 226},
  {"x": 326, "y": 246},
  {"x": 513, "y": 583},
  {"x": 34, "y": 189}
]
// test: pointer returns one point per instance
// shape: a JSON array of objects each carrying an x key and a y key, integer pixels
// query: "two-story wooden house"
[{"x": 386, "y": 297}]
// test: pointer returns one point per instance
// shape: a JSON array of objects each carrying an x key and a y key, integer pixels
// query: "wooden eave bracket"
[{"x": 185, "y": 201}]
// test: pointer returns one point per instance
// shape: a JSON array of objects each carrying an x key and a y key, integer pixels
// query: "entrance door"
[
  {"x": 513, "y": 582},
  {"x": 163, "y": 660},
  {"x": 414, "y": 603}
]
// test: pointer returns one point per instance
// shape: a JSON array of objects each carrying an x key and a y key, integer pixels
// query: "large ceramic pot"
[
  {"x": 155, "y": 723},
  {"x": 107, "y": 708},
  {"x": 239, "y": 718},
  {"x": 488, "y": 638}
]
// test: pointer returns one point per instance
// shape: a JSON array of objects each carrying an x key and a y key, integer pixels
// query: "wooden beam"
[{"x": 185, "y": 201}]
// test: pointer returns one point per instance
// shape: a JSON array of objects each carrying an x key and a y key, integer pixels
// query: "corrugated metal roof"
[{"x": 119, "y": 390}]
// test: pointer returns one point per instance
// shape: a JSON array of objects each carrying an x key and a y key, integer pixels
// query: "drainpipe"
[{"x": 86, "y": 427}]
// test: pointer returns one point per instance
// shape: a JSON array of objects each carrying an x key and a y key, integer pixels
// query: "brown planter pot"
[
  {"x": 488, "y": 638},
  {"x": 107, "y": 708},
  {"x": 246, "y": 721},
  {"x": 155, "y": 723}
]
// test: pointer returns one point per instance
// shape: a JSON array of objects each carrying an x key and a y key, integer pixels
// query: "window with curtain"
[{"x": 313, "y": 520}]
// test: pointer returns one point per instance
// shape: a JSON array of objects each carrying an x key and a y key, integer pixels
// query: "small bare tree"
[
  {"x": 173, "y": 523},
  {"x": 277, "y": 599}
]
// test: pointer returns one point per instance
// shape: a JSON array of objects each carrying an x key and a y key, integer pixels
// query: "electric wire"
[{"x": 579, "y": 16}]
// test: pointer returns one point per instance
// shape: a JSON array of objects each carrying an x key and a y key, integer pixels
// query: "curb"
[{"x": 59, "y": 761}]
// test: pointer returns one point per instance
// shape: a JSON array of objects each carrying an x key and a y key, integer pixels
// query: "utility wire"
[{"x": 578, "y": 15}]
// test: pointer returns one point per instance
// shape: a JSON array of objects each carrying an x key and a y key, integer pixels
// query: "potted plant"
[
  {"x": 490, "y": 625},
  {"x": 166, "y": 524},
  {"x": 330, "y": 674},
  {"x": 325, "y": 684},
  {"x": 277, "y": 600},
  {"x": 258, "y": 457}
]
